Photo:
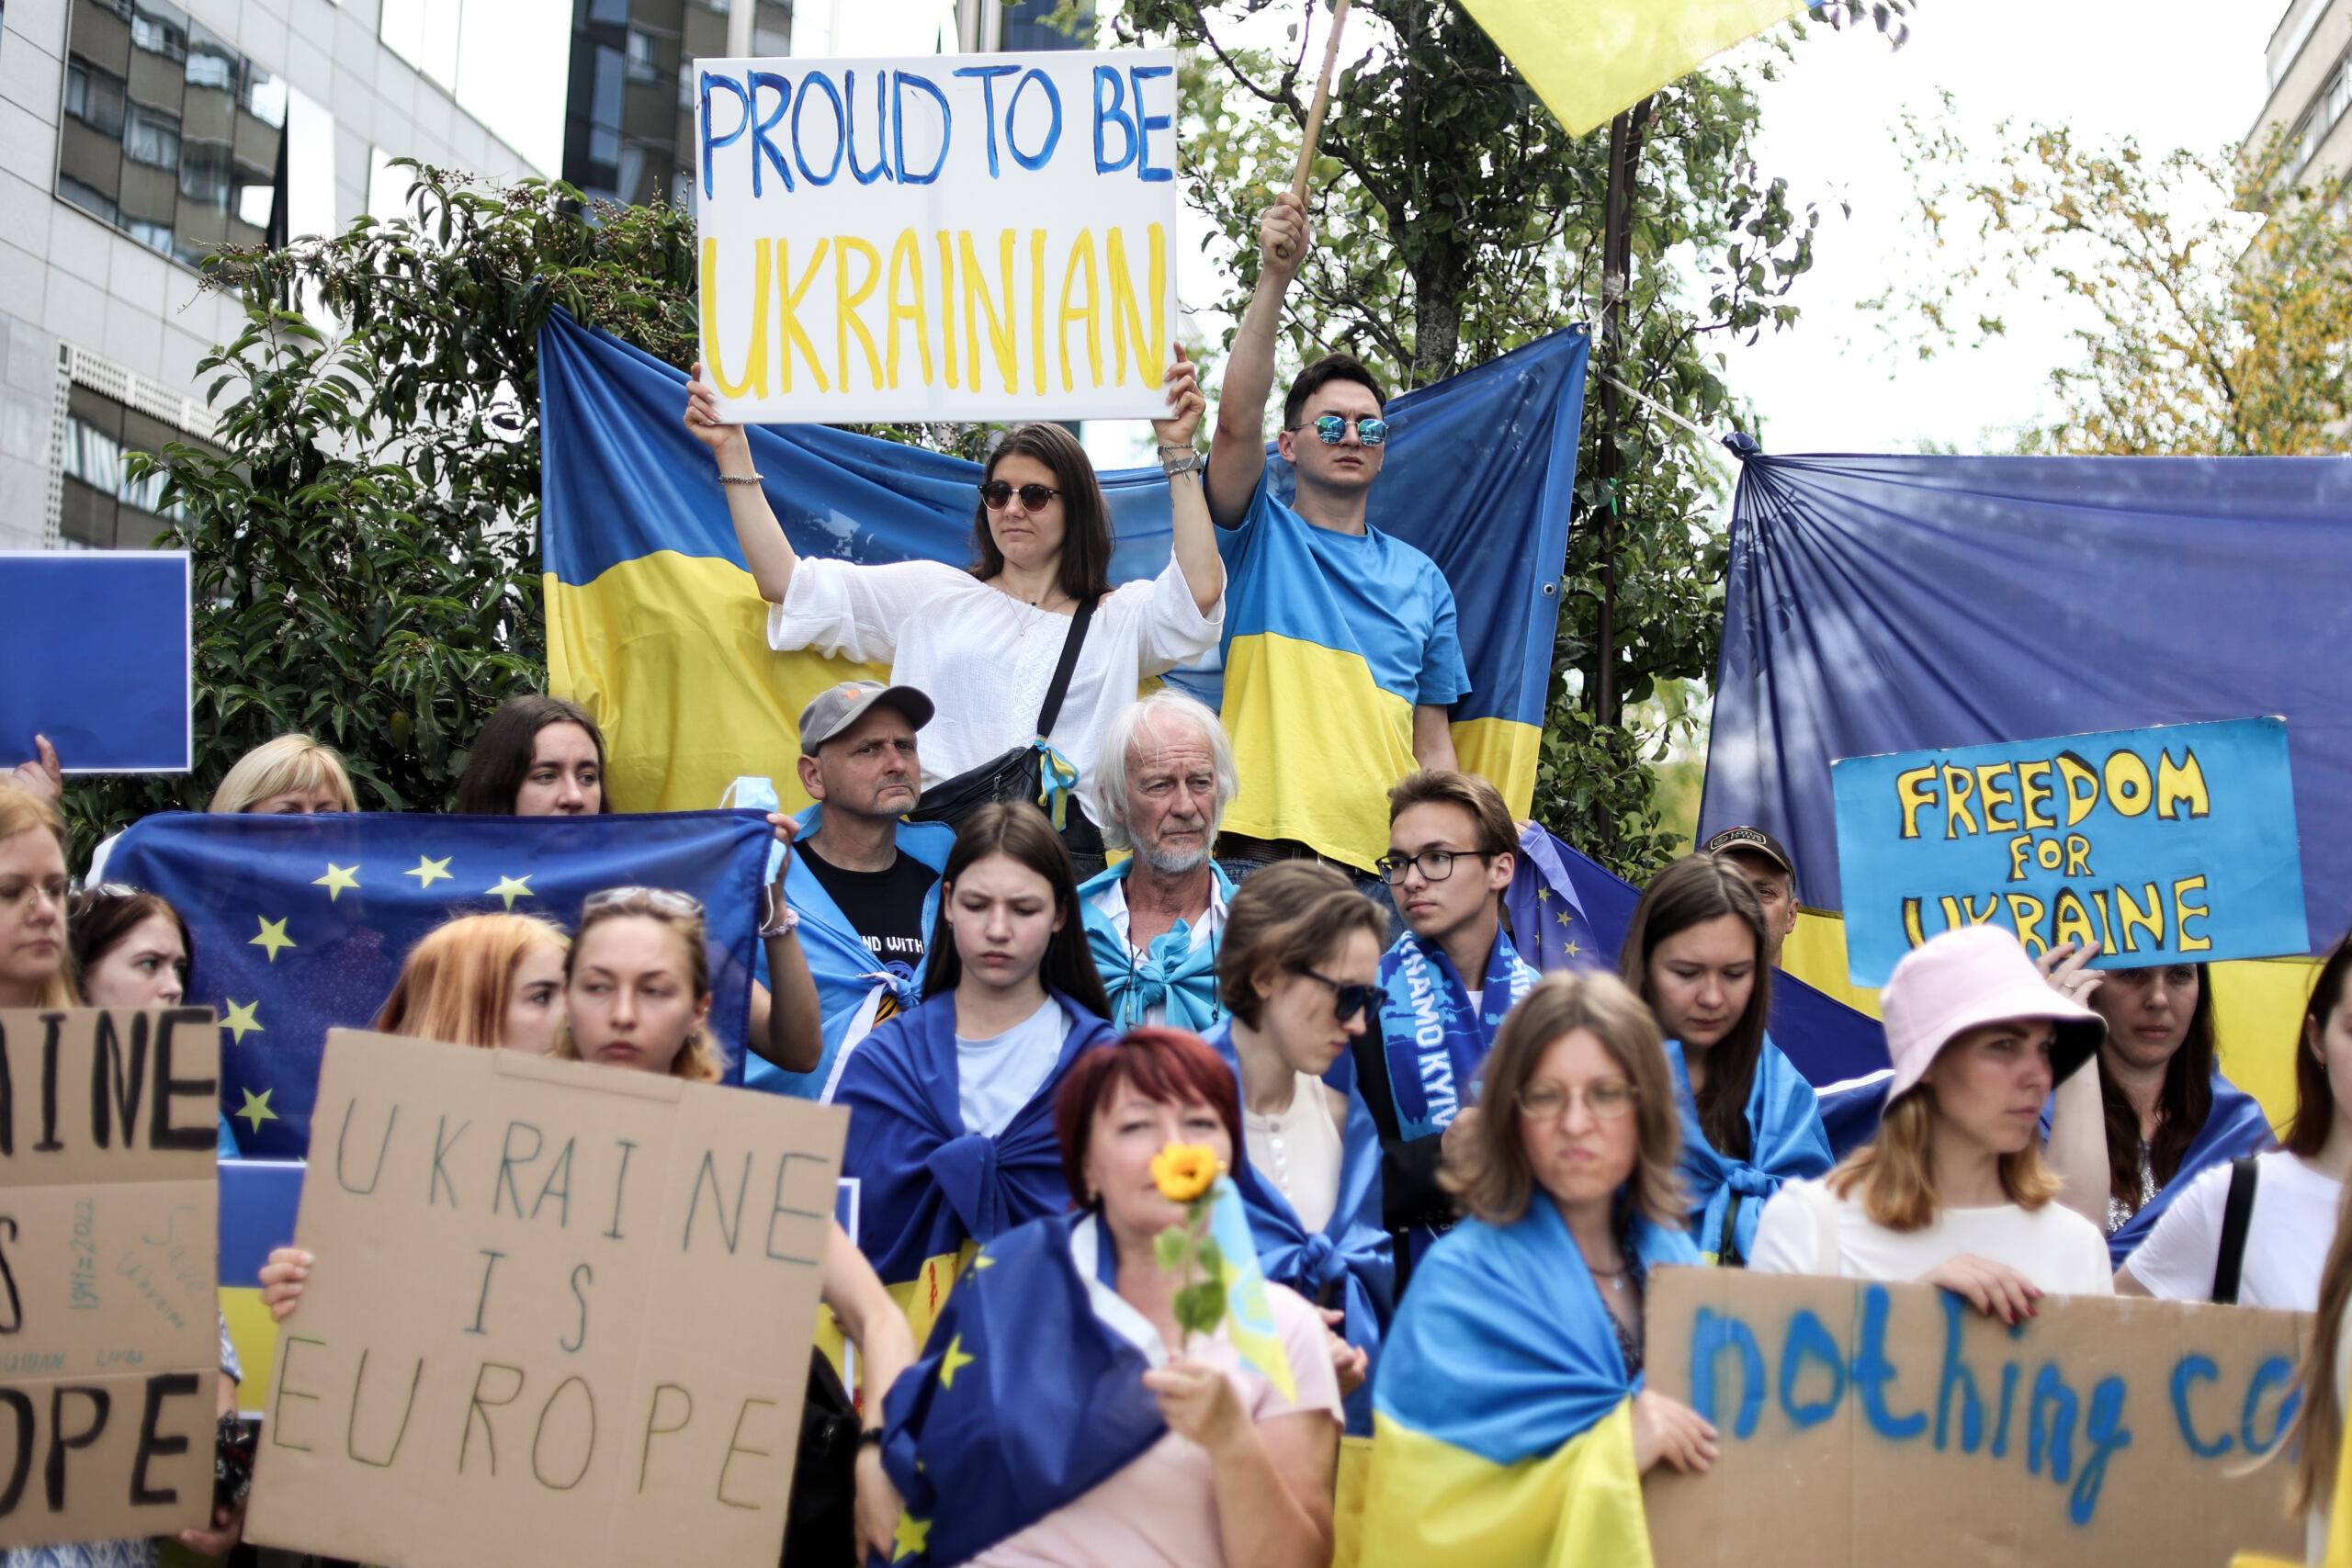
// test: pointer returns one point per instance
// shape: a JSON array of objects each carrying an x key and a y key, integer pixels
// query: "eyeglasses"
[
  {"x": 1607, "y": 1100},
  {"x": 1333, "y": 429},
  {"x": 1435, "y": 865},
  {"x": 1348, "y": 999},
  {"x": 999, "y": 495},
  {"x": 641, "y": 900}
]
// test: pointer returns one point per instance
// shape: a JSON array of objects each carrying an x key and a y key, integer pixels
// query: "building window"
[
  {"x": 103, "y": 507},
  {"x": 169, "y": 134}
]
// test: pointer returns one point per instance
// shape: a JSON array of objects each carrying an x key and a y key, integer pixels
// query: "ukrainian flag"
[
  {"x": 1502, "y": 1418},
  {"x": 653, "y": 624},
  {"x": 1588, "y": 60}
]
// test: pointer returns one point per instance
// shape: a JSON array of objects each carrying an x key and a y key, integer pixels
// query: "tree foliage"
[
  {"x": 2210, "y": 297},
  {"x": 1456, "y": 220}
]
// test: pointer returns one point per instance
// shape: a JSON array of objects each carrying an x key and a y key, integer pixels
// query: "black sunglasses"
[
  {"x": 1348, "y": 999},
  {"x": 999, "y": 495}
]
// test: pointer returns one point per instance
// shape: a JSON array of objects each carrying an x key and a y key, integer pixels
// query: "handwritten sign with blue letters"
[
  {"x": 962, "y": 237},
  {"x": 1864, "y": 1424},
  {"x": 2175, "y": 844}
]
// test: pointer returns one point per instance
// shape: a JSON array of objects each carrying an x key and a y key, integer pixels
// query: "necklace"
[{"x": 1042, "y": 610}]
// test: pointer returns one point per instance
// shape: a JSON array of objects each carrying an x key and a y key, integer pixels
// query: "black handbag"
[
  {"x": 1013, "y": 775},
  {"x": 821, "y": 1519}
]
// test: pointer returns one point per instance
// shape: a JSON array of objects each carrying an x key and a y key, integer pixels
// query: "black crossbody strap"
[
  {"x": 1073, "y": 640},
  {"x": 2237, "y": 1214}
]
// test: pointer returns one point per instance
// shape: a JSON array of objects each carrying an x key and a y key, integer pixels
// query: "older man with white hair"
[{"x": 1162, "y": 784}]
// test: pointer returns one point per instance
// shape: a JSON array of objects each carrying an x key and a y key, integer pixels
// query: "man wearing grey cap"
[
  {"x": 857, "y": 761},
  {"x": 1770, "y": 871}
]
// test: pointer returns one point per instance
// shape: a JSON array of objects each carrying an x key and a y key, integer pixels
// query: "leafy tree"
[
  {"x": 2211, "y": 297},
  {"x": 1455, "y": 220}
]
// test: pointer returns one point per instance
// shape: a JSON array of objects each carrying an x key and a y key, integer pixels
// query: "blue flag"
[{"x": 299, "y": 924}]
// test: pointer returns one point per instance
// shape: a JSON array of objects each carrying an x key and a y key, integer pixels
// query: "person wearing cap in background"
[
  {"x": 1771, "y": 872},
  {"x": 864, "y": 880},
  {"x": 1954, "y": 1192}
]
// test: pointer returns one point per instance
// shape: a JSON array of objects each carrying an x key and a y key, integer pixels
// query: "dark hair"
[
  {"x": 1086, "y": 516},
  {"x": 503, "y": 748},
  {"x": 104, "y": 915},
  {"x": 1164, "y": 1064},
  {"x": 2314, "y": 1102},
  {"x": 1692, "y": 891},
  {"x": 1322, "y": 373},
  {"x": 1019, "y": 829},
  {"x": 2182, "y": 1105},
  {"x": 1290, "y": 916}
]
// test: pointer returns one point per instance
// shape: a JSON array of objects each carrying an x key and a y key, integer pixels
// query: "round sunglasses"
[{"x": 997, "y": 495}]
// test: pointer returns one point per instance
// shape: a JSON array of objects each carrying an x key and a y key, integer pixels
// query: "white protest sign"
[{"x": 960, "y": 237}]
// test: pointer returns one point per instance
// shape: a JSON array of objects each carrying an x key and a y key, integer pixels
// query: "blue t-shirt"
[
  {"x": 995, "y": 1076},
  {"x": 1330, "y": 641}
]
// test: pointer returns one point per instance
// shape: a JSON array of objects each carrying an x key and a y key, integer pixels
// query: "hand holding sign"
[{"x": 1185, "y": 401}]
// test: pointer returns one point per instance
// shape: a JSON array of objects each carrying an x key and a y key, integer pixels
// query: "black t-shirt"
[{"x": 885, "y": 907}]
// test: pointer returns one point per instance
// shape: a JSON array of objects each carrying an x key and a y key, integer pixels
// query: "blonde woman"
[
  {"x": 33, "y": 972},
  {"x": 291, "y": 776},
  {"x": 1521, "y": 1335},
  {"x": 1954, "y": 1192},
  {"x": 492, "y": 980}
]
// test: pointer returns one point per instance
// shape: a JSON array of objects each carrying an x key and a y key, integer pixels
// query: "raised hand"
[
  {"x": 1283, "y": 237},
  {"x": 2064, "y": 967},
  {"x": 1185, "y": 403},
  {"x": 703, "y": 422}
]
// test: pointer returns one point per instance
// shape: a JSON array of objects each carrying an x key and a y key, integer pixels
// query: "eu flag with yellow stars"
[{"x": 300, "y": 924}]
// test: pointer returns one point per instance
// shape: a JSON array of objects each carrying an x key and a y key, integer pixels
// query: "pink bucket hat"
[{"x": 1965, "y": 979}]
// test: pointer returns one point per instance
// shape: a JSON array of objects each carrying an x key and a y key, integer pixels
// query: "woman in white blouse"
[
  {"x": 1954, "y": 1192},
  {"x": 982, "y": 642}
]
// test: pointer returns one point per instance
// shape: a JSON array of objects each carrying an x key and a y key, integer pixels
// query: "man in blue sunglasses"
[{"x": 1340, "y": 653}]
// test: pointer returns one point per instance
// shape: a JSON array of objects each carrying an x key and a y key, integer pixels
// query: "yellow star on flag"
[
  {"x": 1564, "y": 916},
  {"x": 1573, "y": 951},
  {"x": 273, "y": 937},
  {"x": 241, "y": 1020},
  {"x": 337, "y": 878},
  {"x": 983, "y": 1262},
  {"x": 914, "y": 1538},
  {"x": 511, "y": 888},
  {"x": 428, "y": 871},
  {"x": 1542, "y": 894},
  {"x": 953, "y": 1363},
  {"x": 256, "y": 1108}
]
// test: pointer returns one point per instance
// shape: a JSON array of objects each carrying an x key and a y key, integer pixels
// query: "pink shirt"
[{"x": 1162, "y": 1510}]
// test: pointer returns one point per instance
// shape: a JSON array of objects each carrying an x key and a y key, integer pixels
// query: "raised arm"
[
  {"x": 787, "y": 1026},
  {"x": 765, "y": 549},
  {"x": 1433, "y": 737},
  {"x": 1195, "y": 535},
  {"x": 1238, "y": 449},
  {"x": 2077, "y": 1148}
]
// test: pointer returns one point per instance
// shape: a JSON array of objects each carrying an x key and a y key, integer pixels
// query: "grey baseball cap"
[{"x": 835, "y": 708}]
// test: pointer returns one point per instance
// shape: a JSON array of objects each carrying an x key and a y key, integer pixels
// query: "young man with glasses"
[
  {"x": 1445, "y": 986},
  {"x": 1339, "y": 639}
]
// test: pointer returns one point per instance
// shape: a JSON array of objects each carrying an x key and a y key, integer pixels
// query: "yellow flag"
[{"x": 1589, "y": 59}]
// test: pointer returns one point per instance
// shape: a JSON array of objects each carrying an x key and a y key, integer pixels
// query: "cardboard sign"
[
  {"x": 109, "y": 1341},
  {"x": 1864, "y": 1424},
  {"x": 561, "y": 1313},
  {"x": 2169, "y": 845},
  {"x": 93, "y": 654},
  {"x": 963, "y": 237}
]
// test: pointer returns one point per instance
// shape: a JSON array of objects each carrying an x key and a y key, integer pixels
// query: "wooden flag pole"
[{"x": 1322, "y": 102}]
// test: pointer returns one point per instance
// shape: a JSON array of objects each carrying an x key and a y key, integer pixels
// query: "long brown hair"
[
  {"x": 2320, "y": 1429},
  {"x": 2183, "y": 1102},
  {"x": 1290, "y": 917},
  {"x": 501, "y": 756},
  {"x": 2314, "y": 1096},
  {"x": 1692, "y": 891},
  {"x": 1086, "y": 516},
  {"x": 1896, "y": 1170},
  {"x": 1489, "y": 1172},
  {"x": 103, "y": 916},
  {"x": 1019, "y": 831}
]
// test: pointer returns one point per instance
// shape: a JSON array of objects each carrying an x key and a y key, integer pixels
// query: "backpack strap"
[{"x": 2238, "y": 1215}]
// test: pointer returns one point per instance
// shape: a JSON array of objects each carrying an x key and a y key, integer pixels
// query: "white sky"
[{"x": 2170, "y": 73}]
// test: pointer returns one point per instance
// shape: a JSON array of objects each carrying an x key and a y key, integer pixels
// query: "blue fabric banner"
[
  {"x": 299, "y": 924},
  {"x": 2164, "y": 845},
  {"x": 93, "y": 654}
]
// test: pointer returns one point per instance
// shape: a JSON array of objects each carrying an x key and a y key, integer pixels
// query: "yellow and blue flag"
[
  {"x": 654, "y": 625},
  {"x": 1502, "y": 1426},
  {"x": 300, "y": 924},
  {"x": 1024, "y": 1400},
  {"x": 1588, "y": 60},
  {"x": 1249, "y": 1316}
]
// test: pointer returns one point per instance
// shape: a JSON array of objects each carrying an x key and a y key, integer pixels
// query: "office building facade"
[{"x": 2308, "y": 67}]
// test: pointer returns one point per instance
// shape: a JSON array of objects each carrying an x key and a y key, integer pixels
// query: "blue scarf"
[
  {"x": 1174, "y": 974},
  {"x": 1502, "y": 1347},
  {"x": 926, "y": 1185},
  {"x": 1786, "y": 1140},
  {"x": 1350, "y": 1263},
  {"x": 1432, "y": 1041},
  {"x": 2234, "y": 1126},
  {"x": 1023, "y": 1402}
]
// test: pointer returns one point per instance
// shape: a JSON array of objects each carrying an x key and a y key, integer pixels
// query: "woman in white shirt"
[
  {"x": 2298, "y": 1189},
  {"x": 982, "y": 643},
  {"x": 1954, "y": 1192}
]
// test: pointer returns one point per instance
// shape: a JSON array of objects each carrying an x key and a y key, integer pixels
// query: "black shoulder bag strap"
[
  {"x": 2237, "y": 1213},
  {"x": 1073, "y": 640}
]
